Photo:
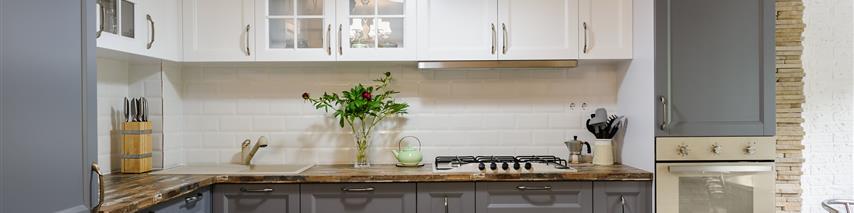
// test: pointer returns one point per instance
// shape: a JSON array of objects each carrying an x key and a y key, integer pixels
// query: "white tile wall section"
[
  {"x": 828, "y": 46},
  {"x": 173, "y": 138},
  {"x": 471, "y": 112}
]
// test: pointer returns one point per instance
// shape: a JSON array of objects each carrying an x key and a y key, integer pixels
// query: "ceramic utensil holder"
[
  {"x": 136, "y": 147},
  {"x": 603, "y": 152}
]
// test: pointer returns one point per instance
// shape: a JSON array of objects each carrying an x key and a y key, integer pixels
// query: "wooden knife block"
[{"x": 136, "y": 147}]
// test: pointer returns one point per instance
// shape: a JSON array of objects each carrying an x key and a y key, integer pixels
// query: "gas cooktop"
[{"x": 502, "y": 164}]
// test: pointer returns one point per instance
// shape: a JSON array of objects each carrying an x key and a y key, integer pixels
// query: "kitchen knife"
[
  {"x": 144, "y": 109},
  {"x": 132, "y": 110},
  {"x": 127, "y": 110}
]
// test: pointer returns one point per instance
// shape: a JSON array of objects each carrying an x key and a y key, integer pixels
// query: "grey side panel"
[
  {"x": 432, "y": 197},
  {"x": 563, "y": 197},
  {"x": 721, "y": 66},
  {"x": 47, "y": 104},
  {"x": 385, "y": 198},
  {"x": 622, "y": 197},
  {"x": 229, "y": 198}
]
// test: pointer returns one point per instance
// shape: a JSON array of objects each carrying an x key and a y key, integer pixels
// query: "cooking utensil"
[
  {"x": 126, "y": 108},
  {"x": 143, "y": 115},
  {"x": 132, "y": 110}
]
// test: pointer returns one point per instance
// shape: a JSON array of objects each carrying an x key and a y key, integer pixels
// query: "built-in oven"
[{"x": 715, "y": 175}]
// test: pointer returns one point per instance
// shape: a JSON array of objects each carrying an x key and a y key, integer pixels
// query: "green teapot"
[{"x": 408, "y": 156}]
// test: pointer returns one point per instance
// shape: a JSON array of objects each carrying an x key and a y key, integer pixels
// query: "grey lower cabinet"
[
  {"x": 714, "y": 68},
  {"x": 358, "y": 198},
  {"x": 446, "y": 197},
  {"x": 256, "y": 198},
  {"x": 622, "y": 197},
  {"x": 196, "y": 202},
  {"x": 540, "y": 197}
]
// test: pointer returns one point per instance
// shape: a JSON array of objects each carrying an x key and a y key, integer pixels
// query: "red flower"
[
  {"x": 366, "y": 95},
  {"x": 305, "y": 95}
]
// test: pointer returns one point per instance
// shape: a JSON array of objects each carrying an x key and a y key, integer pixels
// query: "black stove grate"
[{"x": 448, "y": 162}]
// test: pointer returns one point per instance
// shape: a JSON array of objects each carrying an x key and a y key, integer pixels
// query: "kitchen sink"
[{"x": 236, "y": 169}]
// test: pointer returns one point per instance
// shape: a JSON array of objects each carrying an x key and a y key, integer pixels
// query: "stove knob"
[
  {"x": 683, "y": 150},
  {"x": 717, "y": 149},
  {"x": 481, "y": 166},
  {"x": 493, "y": 166},
  {"x": 750, "y": 150},
  {"x": 528, "y": 166},
  {"x": 504, "y": 166},
  {"x": 516, "y": 166}
]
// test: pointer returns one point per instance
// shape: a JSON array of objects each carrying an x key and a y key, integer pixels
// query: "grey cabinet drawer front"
[
  {"x": 249, "y": 198},
  {"x": 561, "y": 197},
  {"x": 382, "y": 198},
  {"x": 432, "y": 196},
  {"x": 637, "y": 196}
]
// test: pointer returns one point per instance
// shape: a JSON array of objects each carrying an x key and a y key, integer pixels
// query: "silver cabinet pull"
[
  {"x": 100, "y": 26},
  {"x": 358, "y": 189},
  {"x": 97, "y": 170},
  {"x": 152, "y": 33},
  {"x": 584, "y": 25},
  {"x": 340, "y": 45},
  {"x": 329, "y": 39},
  {"x": 446, "y": 204},
  {"x": 665, "y": 113},
  {"x": 193, "y": 199},
  {"x": 504, "y": 49},
  {"x": 248, "y": 52},
  {"x": 264, "y": 190},
  {"x": 494, "y": 38},
  {"x": 534, "y": 188},
  {"x": 623, "y": 204}
]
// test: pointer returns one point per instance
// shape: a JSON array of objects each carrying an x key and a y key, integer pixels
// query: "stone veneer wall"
[{"x": 790, "y": 97}]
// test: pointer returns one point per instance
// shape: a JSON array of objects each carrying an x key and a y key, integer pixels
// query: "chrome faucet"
[{"x": 246, "y": 154}]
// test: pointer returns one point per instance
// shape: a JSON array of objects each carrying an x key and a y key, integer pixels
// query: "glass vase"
[{"x": 362, "y": 160}]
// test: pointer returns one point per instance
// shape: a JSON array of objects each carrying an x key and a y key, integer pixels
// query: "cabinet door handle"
[
  {"x": 446, "y": 204},
  {"x": 193, "y": 199},
  {"x": 264, "y": 190},
  {"x": 584, "y": 25},
  {"x": 358, "y": 189},
  {"x": 329, "y": 39},
  {"x": 623, "y": 204},
  {"x": 494, "y": 38},
  {"x": 340, "y": 45},
  {"x": 248, "y": 52},
  {"x": 504, "y": 48},
  {"x": 152, "y": 33},
  {"x": 534, "y": 188},
  {"x": 97, "y": 170},
  {"x": 665, "y": 113},
  {"x": 101, "y": 25}
]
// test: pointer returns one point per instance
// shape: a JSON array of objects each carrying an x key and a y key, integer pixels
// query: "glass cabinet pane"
[
  {"x": 110, "y": 15},
  {"x": 390, "y": 32},
  {"x": 310, "y": 7},
  {"x": 310, "y": 33},
  {"x": 281, "y": 33},
  {"x": 362, "y": 33},
  {"x": 390, "y": 7},
  {"x": 128, "y": 19},
  {"x": 281, "y": 7},
  {"x": 362, "y": 7}
]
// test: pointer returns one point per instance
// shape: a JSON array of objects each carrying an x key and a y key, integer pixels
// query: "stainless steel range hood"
[{"x": 494, "y": 64}]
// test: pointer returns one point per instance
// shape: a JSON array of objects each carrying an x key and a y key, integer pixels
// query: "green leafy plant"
[{"x": 361, "y": 108}]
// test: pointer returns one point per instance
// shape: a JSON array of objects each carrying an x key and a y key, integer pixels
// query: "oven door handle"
[{"x": 721, "y": 169}]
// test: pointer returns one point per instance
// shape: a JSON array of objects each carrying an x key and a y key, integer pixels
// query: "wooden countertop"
[{"x": 131, "y": 193}]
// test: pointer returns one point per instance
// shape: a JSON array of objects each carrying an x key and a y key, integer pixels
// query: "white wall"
[
  {"x": 636, "y": 92},
  {"x": 829, "y": 167},
  {"x": 476, "y": 112}
]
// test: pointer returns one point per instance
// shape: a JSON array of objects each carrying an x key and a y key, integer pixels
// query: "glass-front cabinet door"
[
  {"x": 376, "y": 29},
  {"x": 116, "y": 25},
  {"x": 295, "y": 30}
]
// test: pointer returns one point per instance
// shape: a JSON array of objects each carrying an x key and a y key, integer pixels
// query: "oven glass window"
[{"x": 716, "y": 194}]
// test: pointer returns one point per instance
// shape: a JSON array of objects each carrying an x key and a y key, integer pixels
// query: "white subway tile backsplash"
[{"x": 235, "y": 123}]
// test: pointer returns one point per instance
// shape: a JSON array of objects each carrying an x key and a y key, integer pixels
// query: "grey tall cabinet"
[
  {"x": 714, "y": 67},
  {"x": 47, "y": 105}
]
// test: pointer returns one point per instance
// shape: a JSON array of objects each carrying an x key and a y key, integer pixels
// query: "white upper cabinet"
[
  {"x": 457, "y": 30},
  {"x": 376, "y": 30},
  {"x": 538, "y": 30},
  {"x": 160, "y": 31},
  {"x": 295, "y": 30},
  {"x": 219, "y": 30},
  {"x": 606, "y": 29},
  {"x": 118, "y": 23}
]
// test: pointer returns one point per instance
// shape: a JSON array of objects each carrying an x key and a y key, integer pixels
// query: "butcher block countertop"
[{"x": 131, "y": 193}]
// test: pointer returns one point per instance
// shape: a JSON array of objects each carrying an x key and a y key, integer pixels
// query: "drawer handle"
[
  {"x": 623, "y": 203},
  {"x": 193, "y": 199},
  {"x": 358, "y": 189},
  {"x": 534, "y": 188},
  {"x": 97, "y": 170},
  {"x": 447, "y": 210},
  {"x": 265, "y": 190}
]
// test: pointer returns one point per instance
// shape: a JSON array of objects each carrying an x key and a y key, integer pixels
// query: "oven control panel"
[{"x": 715, "y": 148}]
